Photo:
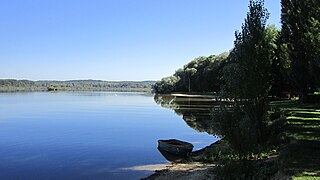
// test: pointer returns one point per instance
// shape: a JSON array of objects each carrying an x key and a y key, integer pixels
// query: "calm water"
[{"x": 85, "y": 135}]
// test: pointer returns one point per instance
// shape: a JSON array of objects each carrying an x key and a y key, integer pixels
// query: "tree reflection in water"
[{"x": 195, "y": 111}]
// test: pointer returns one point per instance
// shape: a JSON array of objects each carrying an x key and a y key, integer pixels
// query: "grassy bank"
[
  {"x": 295, "y": 154},
  {"x": 301, "y": 157}
]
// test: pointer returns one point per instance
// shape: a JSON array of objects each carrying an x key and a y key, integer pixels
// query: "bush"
[
  {"x": 245, "y": 125},
  {"x": 244, "y": 170}
]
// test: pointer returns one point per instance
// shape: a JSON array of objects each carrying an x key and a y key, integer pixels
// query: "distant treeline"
[{"x": 11, "y": 85}]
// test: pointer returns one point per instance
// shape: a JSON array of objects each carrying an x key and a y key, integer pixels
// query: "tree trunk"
[
  {"x": 189, "y": 85},
  {"x": 303, "y": 97}
]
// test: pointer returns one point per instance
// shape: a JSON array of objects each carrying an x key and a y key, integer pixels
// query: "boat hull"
[{"x": 175, "y": 147}]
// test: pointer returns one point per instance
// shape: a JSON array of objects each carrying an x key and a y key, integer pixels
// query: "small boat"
[
  {"x": 176, "y": 147},
  {"x": 172, "y": 157}
]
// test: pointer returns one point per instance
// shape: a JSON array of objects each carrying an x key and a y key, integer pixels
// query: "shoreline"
[
  {"x": 193, "y": 95},
  {"x": 200, "y": 96},
  {"x": 184, "y": 171}
]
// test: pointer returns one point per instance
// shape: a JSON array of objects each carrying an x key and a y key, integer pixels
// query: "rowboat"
[
  {"x": 172, "y": 157},
  {"x": 176, "y": 147}
]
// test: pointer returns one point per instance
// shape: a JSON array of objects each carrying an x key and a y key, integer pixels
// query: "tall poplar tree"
[
  {"x": 301, "y": 32},
  {"x": 247, "y": 80},
  {"x": 249, "y": 75}
]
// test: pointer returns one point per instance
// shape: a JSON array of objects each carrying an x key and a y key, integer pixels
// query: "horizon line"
[{"x": 80, "y": 79}]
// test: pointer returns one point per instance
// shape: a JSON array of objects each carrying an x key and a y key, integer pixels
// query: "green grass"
[
  {"x": 301, "y": 158},
  {"x": 307, "y": 177}
]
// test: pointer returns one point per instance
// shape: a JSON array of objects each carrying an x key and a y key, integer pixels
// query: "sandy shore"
[
  {"x": 184, "y": 171},
  {"x": 195, "y": 170}
]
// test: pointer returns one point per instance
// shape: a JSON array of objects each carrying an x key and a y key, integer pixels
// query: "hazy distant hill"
[{"x": 9, "y": 85}]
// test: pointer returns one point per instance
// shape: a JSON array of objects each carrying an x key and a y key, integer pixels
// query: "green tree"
[
  {"x": 202, "y": 74},
  {"x": 248, "y": 76},
  {"x": 247, "y": 79},
  {"x": 301, "y": 33},
  {"x": 280, "y": 64},
  {"x": 167, "y": 84}
]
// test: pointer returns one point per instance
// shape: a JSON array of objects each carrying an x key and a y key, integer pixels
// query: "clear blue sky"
[{"x": 115, "y": 39}]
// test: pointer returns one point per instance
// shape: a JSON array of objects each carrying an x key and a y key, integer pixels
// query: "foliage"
[
  {"x": 248, "y": 76},
  {"x": 203, "y": 74},
  {"x": 301, "y": 35},
  {"x": 243, "y": 170},
  {"x": 244, "y": 126},
  {"x": 247, "y": 80},
  {"x": 281, "y": 87},
  {"x": 167, "y": 84}
]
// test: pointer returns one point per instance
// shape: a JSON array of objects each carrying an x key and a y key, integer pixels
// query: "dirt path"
[{"x": 187, "y": 171}]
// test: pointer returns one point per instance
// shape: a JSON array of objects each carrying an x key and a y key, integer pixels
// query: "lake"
[{"x": 86, "y": 135}]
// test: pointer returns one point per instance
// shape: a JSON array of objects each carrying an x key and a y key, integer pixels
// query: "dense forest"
[
  {"x": 9, "y": 85},
  {"x": 289, "y": 57}
]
